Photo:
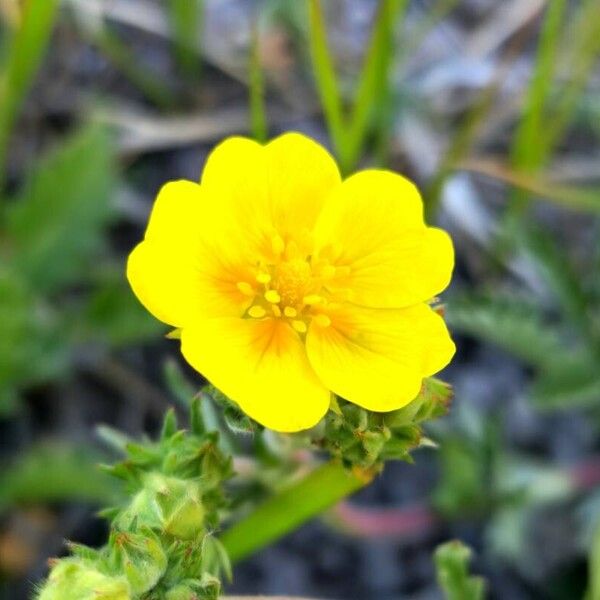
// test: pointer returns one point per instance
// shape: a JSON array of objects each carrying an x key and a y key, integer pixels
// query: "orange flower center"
[{"x": 292, "y": 286}]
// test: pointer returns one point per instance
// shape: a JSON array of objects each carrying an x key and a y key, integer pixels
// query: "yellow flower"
[{"x": 289, "y": 284}]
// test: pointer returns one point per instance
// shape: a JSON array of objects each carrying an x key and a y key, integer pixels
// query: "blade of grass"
[
  {"x": 256, "y": 87},
  {"x": 584, "y": 36},
  {"x": 25, "y": 55},
  {"x": 566, "y": 196},
  {"x": 374, "y": 85},
  {"x": 527, "y": 153},
  {"x": 185, "y": 18},
  {"x": 325, "y": 77},
  {"x": 290, "y": 508},
  {"x": 124, "y": 59},
  {"x": 467, "y": 132}
]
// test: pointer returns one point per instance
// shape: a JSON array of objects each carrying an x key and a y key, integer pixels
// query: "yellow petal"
[
  {"x": 264, "y": 196},
  {"x": 261, "y": 365},
  {"x": 177, "y": 215},
  {"x": 378, "y": 358},
  {"x": 389, "y": 258},
  {"x": 180, "y": 287},
  {"x": 165, "y": 284}
]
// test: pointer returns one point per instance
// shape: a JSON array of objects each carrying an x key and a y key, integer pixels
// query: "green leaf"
[
  {"x": 452, "y": 566},
  {"x": 57, "y": 221},
  {"x": 554, "y": 266},
  {"x": 113, "y": 315},
  {"x": 25, "y": 54},
  {"x": 527, "y": 152},
  {"x": 185, "y": 18},
  {"x": 325, "y": 77},
  {"x": 570, "y": 381},
  {"x": 54, "y": 473},
  {"x": 290, "y": 508},
  {"x": 32, "y": 347},
  {"x": 593, "y": 592},
  {"x": 258, "y": 112},
  {"x": 374, "y": 87},
  {"x": 581, "y": 45},
  {"x": 508, "y": 322}
]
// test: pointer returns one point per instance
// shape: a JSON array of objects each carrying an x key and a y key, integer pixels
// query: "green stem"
[
  {"x": 258, "y": 112},
  {"x": 25, "y": 54},
  {"x": 290, "y": 508}
]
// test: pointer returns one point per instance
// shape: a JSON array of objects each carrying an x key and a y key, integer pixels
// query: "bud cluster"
[
  {"x": 365, "y": 440},
  {"x": 161, "y": 544}
]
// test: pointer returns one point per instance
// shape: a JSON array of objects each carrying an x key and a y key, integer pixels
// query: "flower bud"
[
  {"x": 167, "y": 504},
  {"x": 74, "y": 579},
  {"x": 206, "y": 588},
  {"x": 140, "y": 557}
]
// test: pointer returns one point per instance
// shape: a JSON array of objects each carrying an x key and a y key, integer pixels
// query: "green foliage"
[
  {"x": 452, "y": 565},
  {"x": 544, "y": 122},
  {"x": 161, "y": 543},
  {"x": 364, "y": 439},
  {"x": 509, "y": 322},
  {"x": 52, "y": 237},
  {"x": 32, "y": 345},
  {"x": 256, "y": 86},
  {"x": 125, "y": 60},
  {"x": 55, "y": 225},
  {"x": 349, "y": 132},
  {"x": 185, "y": 18},
  {"x": 53, "y": 232},
  {"x": 54, "y": 473},
  {"x": 113, "y": 315},
  {"x": 25, "y": 54},
  {"x": 292, "y": 506},
  {"x": 593, "y": 591},
  {"x": 561, "y": 342}
]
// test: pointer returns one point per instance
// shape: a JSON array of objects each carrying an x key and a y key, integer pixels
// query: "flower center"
[{"x": 291, "y": 287}]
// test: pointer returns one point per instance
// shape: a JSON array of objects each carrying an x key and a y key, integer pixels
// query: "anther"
[
  {"x": 299, "y": 326},
  {"x": 257, "y": 311},
  {"x": 245, "y": 288},
  {"x": 290, "y": 312},
  {"x": 263, "y": 278},
  {"x": 273, "y": 297},
  {"x": 322, "y": 320}
]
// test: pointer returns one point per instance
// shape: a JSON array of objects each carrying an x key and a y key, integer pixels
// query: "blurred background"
[{"x": 492, "y": 107}]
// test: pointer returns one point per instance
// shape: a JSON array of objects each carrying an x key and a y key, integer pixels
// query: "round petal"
[
  {"x": 261, "y": 365},
  {"x": 176, "y": 275},
  {"x": 373, "y": 226},
  {"x": 163, "y": 283},
  {"x": 177, "y": 215},
  {"x": 266, "y": 192},
  {"x": 378, "y": 358}
]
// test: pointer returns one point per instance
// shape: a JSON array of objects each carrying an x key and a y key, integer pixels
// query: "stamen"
[
  {"x": 276, "y": 310},
  {"x": 273, "y": 297},
  {"x": 290, "y": 312},
  {"x": 299, "y": 326},
  {"x": 245, "y": 288},
  {"x": 312, "y": 299},
  {"x": 257, "y": 311},
  {"x": 322, "y": 320},
  {"x": 263, "y": 278}
]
